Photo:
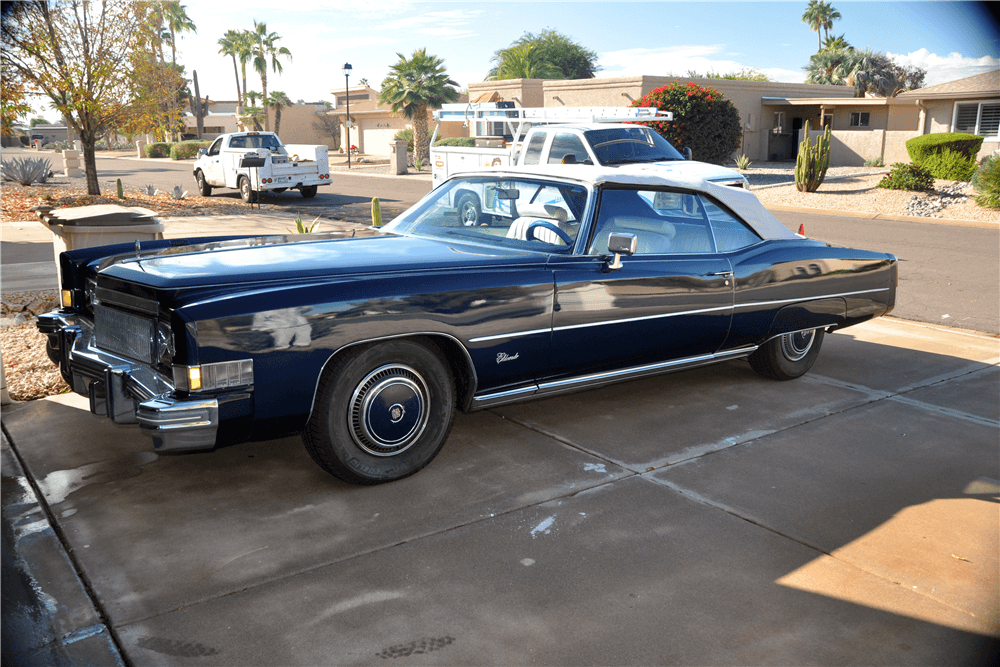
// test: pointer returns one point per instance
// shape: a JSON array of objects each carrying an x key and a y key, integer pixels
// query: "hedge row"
[{"x": 175, "y": 150}]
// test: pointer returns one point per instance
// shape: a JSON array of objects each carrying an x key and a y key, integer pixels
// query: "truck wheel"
[
  {"x": 203, "y": 186},
  {"x": 246, "y": 192},
  {"x": 381, "y": 413},
  {"x": 308, "y": 191},
  {"x": 789, "y": 356},
  {"x": 469, "y": 210}
]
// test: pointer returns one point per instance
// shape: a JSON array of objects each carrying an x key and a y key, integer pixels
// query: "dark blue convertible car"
[{"x": 570, "y": 277}]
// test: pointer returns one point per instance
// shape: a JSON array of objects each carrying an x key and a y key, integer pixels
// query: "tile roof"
[{"x": 979, "y": 85}]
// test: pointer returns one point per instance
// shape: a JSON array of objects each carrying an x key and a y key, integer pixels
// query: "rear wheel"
[
  {"x": 247, "y": 192},
  {"x": 203, "y": 186},
  {"x": 788, "y": 356},
  {"x": 308, "y": 191},
  {"x": 381, "y": 413}
]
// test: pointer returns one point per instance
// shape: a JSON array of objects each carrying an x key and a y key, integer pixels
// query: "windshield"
[
  {"x": 628, "y": 145},
  {"x": 505, "y": 211},
  {"x": 268, "y": 141}
]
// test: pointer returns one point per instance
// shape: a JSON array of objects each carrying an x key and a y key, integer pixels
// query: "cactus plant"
[
  {"x": 26, "y": 170},
  {"x": 376, "y": 213},
  {"x": 812, "y": 162},
  {"x": 121, "y": 194}
]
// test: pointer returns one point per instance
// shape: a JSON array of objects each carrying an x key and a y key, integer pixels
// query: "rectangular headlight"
[
  {"x": 66, "y": 296},
  {"x": 208, "y": 377}
]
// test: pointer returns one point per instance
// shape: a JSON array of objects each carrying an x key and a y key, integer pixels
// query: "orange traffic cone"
[{"x": 802, "y": 230}]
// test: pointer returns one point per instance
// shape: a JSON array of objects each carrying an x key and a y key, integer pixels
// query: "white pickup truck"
[
  {"x": 602, "y": 144},
  {"x": 256, "y": 162}
]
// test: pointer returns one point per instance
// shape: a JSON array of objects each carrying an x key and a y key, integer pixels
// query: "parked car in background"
[
  {"x": 580, "y": 276},
  {"x": 255, "y": 162}
]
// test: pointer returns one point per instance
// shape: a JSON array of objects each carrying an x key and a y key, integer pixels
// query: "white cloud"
[
  {"x": 942, "y": 69},
  {"x": 678, "y": 60}
]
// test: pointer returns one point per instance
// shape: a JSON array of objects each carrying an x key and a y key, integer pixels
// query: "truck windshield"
[{"x": 628, "y": 145}]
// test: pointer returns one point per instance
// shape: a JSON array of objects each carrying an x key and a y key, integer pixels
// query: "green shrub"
[
  {"x": 467, "y": 142},
  {"x": 187, "y": 149},
  {"x": 704, "y": 120},
  {"x": 874, "y": 162},
  {"x": 158, "y": 149},
  {"x": 24, "y": 140},
  {"x": 907, "y": 177},
  {"x": 987, "y": 181},
  {"x": 950, "y": 165},
  {"x": 407, "y": 136},
  {"x": 922, "y": 147}
]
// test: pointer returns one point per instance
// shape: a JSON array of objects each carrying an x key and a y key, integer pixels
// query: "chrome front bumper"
[{"x": 129, "y": 392}]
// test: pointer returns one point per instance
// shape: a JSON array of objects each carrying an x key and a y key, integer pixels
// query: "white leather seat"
[{"x": 531, "y": 213}]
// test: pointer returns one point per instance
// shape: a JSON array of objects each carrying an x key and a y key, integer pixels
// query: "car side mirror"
[
  {"x": 202, "y": 151},
  {"x": 687, "y": 153},
  {"x": 621, "y": 244}
]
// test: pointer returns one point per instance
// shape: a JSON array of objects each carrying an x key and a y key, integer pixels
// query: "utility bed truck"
[
  {"x": 525, "y": 137},
  {"x": 256, "y": 162}
]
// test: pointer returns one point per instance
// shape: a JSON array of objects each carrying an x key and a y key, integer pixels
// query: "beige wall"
[{"x": 297, "y": 124}]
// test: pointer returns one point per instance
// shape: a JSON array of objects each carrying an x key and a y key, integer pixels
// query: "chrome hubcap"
[
  {"x": 797, "y": 345},
  {"x": 469, "y": 216},
  {"x": 388, "y": 411}
]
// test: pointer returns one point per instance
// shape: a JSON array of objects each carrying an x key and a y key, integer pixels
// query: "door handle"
[{"x": 726, "y": 274}]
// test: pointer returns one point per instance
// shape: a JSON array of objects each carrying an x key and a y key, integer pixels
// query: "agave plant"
[
  {"x": 150, "y": 189},
  {"x": 743, "y": 162},
  {"x": 26, "y": 170},
  {"x": 178, "y": 193}
]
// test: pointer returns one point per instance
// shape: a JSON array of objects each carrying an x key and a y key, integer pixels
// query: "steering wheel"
[{"x": 529, "y": 234}]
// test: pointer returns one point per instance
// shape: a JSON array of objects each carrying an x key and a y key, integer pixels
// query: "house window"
[
  {"x": 828, "y": 120},
  {"x": 982, "y": 118},
  {"x": 860, "y": 118}
]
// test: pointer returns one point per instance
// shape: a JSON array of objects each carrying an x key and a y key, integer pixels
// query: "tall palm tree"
[
  {"x": 836, "y": 42},
  {"x": 265, "y": 47},
  {"x": 155, "y": 18},
  {"x": 177, "y": 20},
  {"x": 522, "y": 61},
  {"x": 415, "y": 84},
  {"x": 277, "y": 100},
  {"x": 229, "y": 46},
  {"x": 828, "y": 15},
  {"x": 872, "y": 71}
]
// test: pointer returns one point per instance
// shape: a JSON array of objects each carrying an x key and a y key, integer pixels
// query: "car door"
[
  {"x": 670, "y": 302},
  {"x": 212, "y": 164}
]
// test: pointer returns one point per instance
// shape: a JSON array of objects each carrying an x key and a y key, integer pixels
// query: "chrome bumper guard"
[{"x": 129, "y": 392}]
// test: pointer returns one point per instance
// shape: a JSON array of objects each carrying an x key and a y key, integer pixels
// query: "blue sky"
[{"x": 948, "y": 39}]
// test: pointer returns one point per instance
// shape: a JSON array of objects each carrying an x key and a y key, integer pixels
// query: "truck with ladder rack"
[{"x": 507, "y": 136}]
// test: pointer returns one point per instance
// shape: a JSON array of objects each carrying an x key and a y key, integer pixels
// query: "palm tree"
[
  {"x": 154, "y": 26},
  {"x": 838, "y": 42},
  {"x": 521, "y": 61},
  {"x": 252, "y": 95},
  {"x": 253, "y": 113},
  {"x": 872, "y": 71},
  {"x": 175, "y": 15},
  {"x": 813, "y": 17},
  {"x": 229, "y": 46},
  {"x": 277, "y": 100},
  {"x": 415, "y": 84},
  {"x": 265, "y": 47},
  {"x": 828, "y": 14},
  {"x": 829, "y": 66}
]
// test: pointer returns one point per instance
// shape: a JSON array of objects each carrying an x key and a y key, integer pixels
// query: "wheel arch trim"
[{"x": 466, "y": 384}]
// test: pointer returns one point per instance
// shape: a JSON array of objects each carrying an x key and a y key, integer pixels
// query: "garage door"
[{"x": 376, "y": 140}]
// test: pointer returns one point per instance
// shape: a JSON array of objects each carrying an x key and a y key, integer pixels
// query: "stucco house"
[{"x": 773, "y": 114}]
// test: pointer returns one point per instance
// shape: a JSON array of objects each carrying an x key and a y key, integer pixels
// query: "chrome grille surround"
[{"x": 122, "y": 333}]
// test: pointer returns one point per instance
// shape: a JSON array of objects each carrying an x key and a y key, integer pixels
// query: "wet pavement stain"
[
  {"x": 418, "y": 647},
  {"x": 59, "y": 484}
]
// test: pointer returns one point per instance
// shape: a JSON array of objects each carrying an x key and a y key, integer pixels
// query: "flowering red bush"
[{"x": 704, "y": 120}]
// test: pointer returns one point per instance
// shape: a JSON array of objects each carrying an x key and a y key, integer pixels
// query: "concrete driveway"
[{"x": 706, "y": 517}]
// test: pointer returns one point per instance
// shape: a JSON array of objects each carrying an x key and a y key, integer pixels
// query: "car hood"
[
  {"x": 687, "y": 169},
  {"x": 263, "y": 259}
]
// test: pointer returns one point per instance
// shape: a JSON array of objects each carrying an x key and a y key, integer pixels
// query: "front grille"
[{"x": 124, "y": 334}]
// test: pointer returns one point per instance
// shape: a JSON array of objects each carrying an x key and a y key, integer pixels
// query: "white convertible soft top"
[{"x": 742, "y": 202}]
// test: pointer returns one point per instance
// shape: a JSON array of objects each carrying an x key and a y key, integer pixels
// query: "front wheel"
[
  {"x": 469, "y": 210},
  {"x": 203, "y": 186},
  {"x": 308, "y": 191},
  {"x": 788, "y": 356},
  {"x": 381, "y": 413},
  {"x": 247, "y": 192}
]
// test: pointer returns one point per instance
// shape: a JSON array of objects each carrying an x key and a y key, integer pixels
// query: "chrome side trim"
[
  {"x": 591, "y": 380},
  {"x": 753, "y": 304}
]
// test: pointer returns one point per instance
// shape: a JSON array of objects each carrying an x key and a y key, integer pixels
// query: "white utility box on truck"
[
  {"x": 256, "y": 162},
  {"x": 519, "y": 137}
]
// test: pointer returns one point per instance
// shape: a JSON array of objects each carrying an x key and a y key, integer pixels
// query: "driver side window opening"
[
  {"x": 215, "y": 147},
  {"x": 567, "y": 149},
  {"x": 669, "y": 223},
  {"x": 533, "y": 153}
]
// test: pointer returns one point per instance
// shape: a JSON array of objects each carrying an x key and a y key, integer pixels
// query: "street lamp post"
[{"x": 347, "y": 123}]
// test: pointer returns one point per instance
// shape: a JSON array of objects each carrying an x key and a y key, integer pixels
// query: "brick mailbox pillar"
[{"x": 71, "y": 164}]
